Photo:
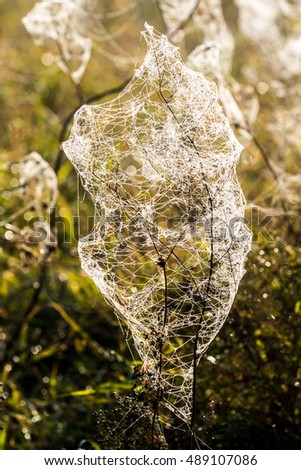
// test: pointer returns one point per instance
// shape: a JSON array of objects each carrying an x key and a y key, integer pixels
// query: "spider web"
[
  {"x": 175, "y": 12},
  {"x": 35, "y": 196},
  {"x": 168, "y": 249},
  {"x": 65, "y": 24},
  {"x": 214, "y": 58}
]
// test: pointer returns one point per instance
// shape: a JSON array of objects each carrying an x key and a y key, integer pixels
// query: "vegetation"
[{"x": 67, "y": 364}]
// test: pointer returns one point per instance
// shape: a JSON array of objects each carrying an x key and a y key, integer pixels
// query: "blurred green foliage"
[{"x": 63, "y": 353}]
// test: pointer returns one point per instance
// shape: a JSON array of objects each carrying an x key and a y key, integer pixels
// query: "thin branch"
[
  {"x": 196, "y": 340},
  {"x": 99, "y": 96},
  {"x": 211, "y": 268},
  {"x": 185, "y": 21},
  {"x": 181, "y": 25}
]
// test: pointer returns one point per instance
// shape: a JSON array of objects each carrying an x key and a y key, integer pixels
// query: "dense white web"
[
  {"x": 169, "y": 246},
  {"x": 213, "y": 55},
  {"x": 38, "y": 182},
  {"x": 275, "y": 30},
  {"x": 63, "y": 23}
]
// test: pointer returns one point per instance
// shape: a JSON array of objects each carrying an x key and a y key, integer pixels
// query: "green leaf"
[{"x": 298, "y": 307}]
